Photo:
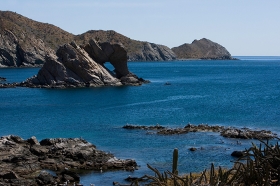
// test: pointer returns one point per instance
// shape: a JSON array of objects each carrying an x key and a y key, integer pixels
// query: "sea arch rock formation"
[{"x": 75, "y": 66}]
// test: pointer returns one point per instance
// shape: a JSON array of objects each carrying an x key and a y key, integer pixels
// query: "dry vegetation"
[{"x": 260, "y": 166}]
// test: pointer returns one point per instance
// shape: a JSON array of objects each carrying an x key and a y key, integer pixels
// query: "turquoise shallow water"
[{"x": 243, "y": 93}]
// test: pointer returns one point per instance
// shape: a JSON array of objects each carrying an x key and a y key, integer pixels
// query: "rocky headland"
[
  {"x": 24, "y": 162},
  {"x": 25, "y": 43},
  {"x": 202, "y": 49},
  {"x": 227, "y": 132}
]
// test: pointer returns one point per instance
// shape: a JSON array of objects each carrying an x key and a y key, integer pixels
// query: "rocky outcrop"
[
  {"x": 228, "y": 132},
  {"x": 2, "y": 79},
  {"x": 202, "y": 49},
  {"x": 23, "y": 162},
  {"x": 74, "y": 66}
]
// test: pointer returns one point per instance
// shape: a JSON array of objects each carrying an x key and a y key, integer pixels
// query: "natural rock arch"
[{"x": 106, "y": 52}]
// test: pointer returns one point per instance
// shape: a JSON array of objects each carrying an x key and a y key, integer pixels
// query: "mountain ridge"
[{"x": 25, "y": 42}]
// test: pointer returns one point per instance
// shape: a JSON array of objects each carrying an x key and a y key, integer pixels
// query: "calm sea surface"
[{"x": 242, "y": 93}]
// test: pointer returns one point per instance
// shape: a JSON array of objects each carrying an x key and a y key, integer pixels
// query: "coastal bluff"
[
  {"x": 24, "y": 162},
  {"x": 83, "y": 66}
]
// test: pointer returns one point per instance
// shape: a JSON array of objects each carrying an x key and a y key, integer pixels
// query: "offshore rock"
[
  {"x": 74, "y": 66},
  {"x": 202, "y": 49},
  {"x": 23, "y": 162}
]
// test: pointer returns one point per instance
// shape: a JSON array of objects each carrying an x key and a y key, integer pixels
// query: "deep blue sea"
[{"x": 239, "y": 93}]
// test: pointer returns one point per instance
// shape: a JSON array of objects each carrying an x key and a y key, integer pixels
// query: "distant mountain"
[{"x": 202, "y": 49}]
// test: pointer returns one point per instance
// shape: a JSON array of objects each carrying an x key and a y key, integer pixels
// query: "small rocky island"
[
  {"x": 24, "y": 162},
  {"x": 202, "y": 49}
]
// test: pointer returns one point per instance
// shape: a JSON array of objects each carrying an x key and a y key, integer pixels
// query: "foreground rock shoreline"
[
  {"x": 24, "y": 162},
  {"x": 228, "y": 132}
]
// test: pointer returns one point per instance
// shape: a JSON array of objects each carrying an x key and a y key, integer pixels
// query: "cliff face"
[
  {"x": 24, "y": 42},
  {"x": 201, "y": 49}
]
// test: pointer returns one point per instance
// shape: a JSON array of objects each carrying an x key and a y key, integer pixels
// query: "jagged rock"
[
  {"x": 33, "y": 141},
  {"x": 26, "y": 159},
  {"x": 202, "y": 49}
]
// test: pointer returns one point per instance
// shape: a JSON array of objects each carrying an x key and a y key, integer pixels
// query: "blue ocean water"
[{"x": 241, "y": 93}]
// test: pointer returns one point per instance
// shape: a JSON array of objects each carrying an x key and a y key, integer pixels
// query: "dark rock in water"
[
  {"x": 25, "y": 160},
  {"x": 237, "y": 154},
  {"x": 202, "y": 49},
  {"x": 192, "y": 149},
  {"x": 76, "y": 67},
  {"x": 2, "y": 79},
  {"x": 155, "y": 127}
]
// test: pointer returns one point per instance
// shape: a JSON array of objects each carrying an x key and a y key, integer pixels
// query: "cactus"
[{"x": 175, "y": 162}]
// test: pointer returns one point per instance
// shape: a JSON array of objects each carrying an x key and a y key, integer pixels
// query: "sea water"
[{"x": 241, "y": 93}]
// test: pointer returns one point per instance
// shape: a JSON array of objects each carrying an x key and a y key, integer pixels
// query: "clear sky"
[{"x": 244, "y": 27}]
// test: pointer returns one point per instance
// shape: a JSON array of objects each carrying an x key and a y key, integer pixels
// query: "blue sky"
[{"x": 244, "y": 27}]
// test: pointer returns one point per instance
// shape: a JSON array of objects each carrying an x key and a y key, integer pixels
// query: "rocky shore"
[
  {"x": 228, "y": 132},
  {"x": 24, "y": 162}
]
